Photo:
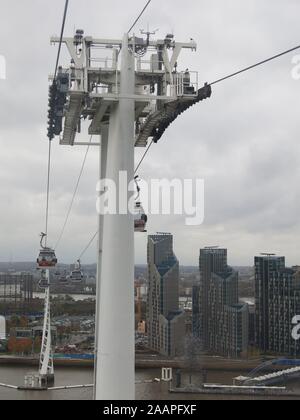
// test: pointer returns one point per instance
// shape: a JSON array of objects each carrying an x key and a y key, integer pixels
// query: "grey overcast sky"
[{"x": 244, "y": 141}]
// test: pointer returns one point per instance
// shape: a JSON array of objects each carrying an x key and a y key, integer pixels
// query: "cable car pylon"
[
  {"x": 128, "y": 100},
  {"x": 46, "y": 261},
  {"x": 46, "y": 368}
]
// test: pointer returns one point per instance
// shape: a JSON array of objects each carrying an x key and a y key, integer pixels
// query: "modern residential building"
[
  {"x": 237, "y": 334},
  {"x": 276, "y": 305},
  {"x": 32, "y": 333},
  {"x": 212, "y": 260},
  {"x": 284, "y": 304},
  {"x": 196, "y": 311},
  {"x": 2, "y": 328},
  {"x": 165, "y": 322},
  {"x": 265, "y": 265},
  {"x": 16, "y": 288},
  {"x": 251, "y": 324},
  {"x": 219, "y": 321}
]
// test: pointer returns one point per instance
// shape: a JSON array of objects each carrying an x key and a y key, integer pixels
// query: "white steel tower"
[
  {"x": 131, "y": 90},
  {"x": 46, "y": 369}
]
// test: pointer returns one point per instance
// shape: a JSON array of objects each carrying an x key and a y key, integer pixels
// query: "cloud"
[{"x": 243, "y": 141}]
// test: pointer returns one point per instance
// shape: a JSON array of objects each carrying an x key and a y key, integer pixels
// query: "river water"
[{"x": 77, "y": 376}]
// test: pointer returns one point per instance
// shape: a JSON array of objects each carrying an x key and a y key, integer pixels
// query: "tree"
[
  {"x": 24, "y": 346},
  {"x": 12, "y": 345},
  {"x": 37, "y": 344},
  {"x": 23, "y": 322},
  {"x": 14, "y": 321}
]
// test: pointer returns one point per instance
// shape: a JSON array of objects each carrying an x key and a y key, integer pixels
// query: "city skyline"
[
  {"x": 195, "y": 264},
  {"x": 250, "y": 164}
]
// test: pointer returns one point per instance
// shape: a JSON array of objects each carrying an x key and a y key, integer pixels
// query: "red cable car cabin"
[
  {"x": 140, "y": 219},
  {"x": 47, "y": 258}
]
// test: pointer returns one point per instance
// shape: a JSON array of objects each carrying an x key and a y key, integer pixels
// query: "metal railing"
[{"x": 185, "y": 84}]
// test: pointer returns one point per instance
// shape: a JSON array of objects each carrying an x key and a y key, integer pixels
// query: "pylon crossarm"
[{"x": 95, "y": 81}]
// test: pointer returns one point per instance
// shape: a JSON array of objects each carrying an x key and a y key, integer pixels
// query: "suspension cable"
[
  {"x": 88, "y": 245},
  {"x": 48, "y": 191},
  {"x": 140, "y": 15},
  {"x": 143, "y": 157},
  {"x": 137, "y": 168},
  {"x": 274, "y": 57},
  {"x": 211, "y": 84},
  {"x": 61, "y": 36},
  {"x": 226, "y": 78},
  {"x": 50, "y": 140},
  {"x": 74, "y": 195}
]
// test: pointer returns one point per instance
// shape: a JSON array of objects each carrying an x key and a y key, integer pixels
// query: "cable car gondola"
[
  {"x": 47, "y": 257},
  {"x": 76, "y": 275},
  {"x": 44, "y": 283},
  {"x": 140, "y": 218},
  {"x": 63, "y": 280}
]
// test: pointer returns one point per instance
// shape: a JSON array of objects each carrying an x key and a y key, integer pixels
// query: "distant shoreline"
[{"x": 209, "y": 363}]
